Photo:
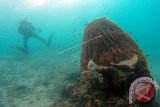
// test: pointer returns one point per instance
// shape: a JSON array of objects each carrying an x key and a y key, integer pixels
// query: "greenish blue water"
[{"x": 67, "y": 19}]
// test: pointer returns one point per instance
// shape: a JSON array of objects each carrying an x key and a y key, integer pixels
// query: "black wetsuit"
[{"x": 28, "y": 31}]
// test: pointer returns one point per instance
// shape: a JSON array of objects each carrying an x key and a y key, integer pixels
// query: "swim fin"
[{"x": 19, "y": 48}]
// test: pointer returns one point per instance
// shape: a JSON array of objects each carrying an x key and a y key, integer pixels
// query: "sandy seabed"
[
  {"x": 35, "y": 80},
  {"x": 38, "y": 79}
]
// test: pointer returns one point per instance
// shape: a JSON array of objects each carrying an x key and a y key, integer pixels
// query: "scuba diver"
[{"x": 27, "y": 30}]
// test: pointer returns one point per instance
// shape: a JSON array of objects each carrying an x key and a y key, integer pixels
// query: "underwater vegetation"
[{"x": 110, "y": 62}]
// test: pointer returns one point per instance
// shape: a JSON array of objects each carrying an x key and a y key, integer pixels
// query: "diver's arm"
[{"x": 31, "y": 27}]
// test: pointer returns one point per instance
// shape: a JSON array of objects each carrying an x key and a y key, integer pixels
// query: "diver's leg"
[
  {"x": 42, "y": 40},
  {"x": 25, "y": 45},
  {"x": 50, "y": 39},
  {"x": 24, "y": 48}
]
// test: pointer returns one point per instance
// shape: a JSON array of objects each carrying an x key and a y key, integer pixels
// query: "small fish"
[{"x": 147, "y": 55}]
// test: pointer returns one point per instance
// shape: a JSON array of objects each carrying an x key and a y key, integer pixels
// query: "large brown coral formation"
[
  {"x": 113, "y": 46},
  {"x": 111, "y": 61},
  {"x": 118, "y": 59}
]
